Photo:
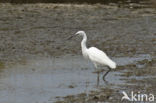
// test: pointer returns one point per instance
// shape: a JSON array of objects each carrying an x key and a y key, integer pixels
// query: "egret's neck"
[{"x": 83, "y": 42}]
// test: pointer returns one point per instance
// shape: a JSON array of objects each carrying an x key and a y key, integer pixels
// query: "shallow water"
[{"x": 43, "y": 79}]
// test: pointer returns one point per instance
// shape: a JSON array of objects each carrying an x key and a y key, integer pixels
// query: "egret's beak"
[{"x": 71, "y": 36}]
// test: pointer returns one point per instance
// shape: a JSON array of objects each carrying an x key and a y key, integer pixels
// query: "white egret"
[{"x": 95, "y": 55}]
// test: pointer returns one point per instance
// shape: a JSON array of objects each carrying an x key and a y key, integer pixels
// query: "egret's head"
[{"x": 81, "y": 33}]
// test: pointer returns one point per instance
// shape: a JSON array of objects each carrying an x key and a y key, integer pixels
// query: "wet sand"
[{"x": 38, "y": 65}]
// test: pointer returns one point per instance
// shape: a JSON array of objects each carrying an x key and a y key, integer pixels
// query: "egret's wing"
[
  {"x": 100, "y": 57},
  {"x": 97, "y": 55}
]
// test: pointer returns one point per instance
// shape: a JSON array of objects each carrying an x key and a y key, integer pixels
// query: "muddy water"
[{"x": 44, "y": 79}]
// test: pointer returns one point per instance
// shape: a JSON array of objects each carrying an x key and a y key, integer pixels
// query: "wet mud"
[{"x": 38, "y": 64}]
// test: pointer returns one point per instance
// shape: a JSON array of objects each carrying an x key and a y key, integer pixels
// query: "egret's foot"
[
  {"x": 105, "y": 81},
  {"x": 106, "y": 75}
]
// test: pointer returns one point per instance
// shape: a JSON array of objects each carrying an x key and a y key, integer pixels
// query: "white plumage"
[
  {"x": 99, "y": 57},
  {"x": 95, "y": 55}
]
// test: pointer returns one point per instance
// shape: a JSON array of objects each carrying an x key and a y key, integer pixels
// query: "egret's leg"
[
  {"x": 98, "y": 74},
  {"x": 106, "y": 74},
  {"x": 98, "y": 79}
]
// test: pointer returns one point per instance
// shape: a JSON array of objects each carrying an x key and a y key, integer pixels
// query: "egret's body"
[{"x": 97, "y": 56}]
